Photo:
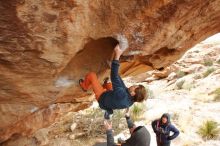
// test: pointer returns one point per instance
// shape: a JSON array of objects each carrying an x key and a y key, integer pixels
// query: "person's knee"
[{"x": 91, "y": 74}]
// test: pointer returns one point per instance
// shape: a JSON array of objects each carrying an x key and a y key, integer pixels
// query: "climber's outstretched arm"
[
  {"x": 109, "y": 132},
  {"x": 115, "y": 78}
]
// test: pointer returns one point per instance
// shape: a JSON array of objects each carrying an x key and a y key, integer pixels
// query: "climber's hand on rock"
[
  {"x": 108, "y": 125},
  {"x": 118, "y": 52}
]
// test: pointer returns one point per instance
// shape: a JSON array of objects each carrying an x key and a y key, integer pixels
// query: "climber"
[
  {"x": 115, "y": 95},
  {"x": 162, "y": 128},
  {"x": 140, "y": 136}
]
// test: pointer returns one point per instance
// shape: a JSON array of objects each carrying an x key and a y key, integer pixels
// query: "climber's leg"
[
  {"x": 91, "y": 81},
  {"x": 108, "y": 114}
]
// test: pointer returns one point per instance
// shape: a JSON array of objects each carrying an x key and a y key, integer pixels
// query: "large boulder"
[{"x": 46, "y": 46}]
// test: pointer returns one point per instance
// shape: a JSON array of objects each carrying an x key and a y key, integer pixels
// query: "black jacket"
[
  {"x": 162, "y": 131},
  {"x": 139, "y": 137}
]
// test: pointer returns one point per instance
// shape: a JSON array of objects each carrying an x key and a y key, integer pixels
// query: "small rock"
[
  {"x": 179, "y": 83},
  {"x": 73, "y": 127},
  {"x": 72, "y": 136},
  {"x": 171, "y": 76}
]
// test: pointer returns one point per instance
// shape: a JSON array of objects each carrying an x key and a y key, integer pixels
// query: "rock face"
[{"x": 46, "y": 46}]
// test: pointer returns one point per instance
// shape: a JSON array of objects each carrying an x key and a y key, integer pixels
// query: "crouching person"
[
  {"x": 139, "y": 135},
  {"x": 162, "y": 128}
]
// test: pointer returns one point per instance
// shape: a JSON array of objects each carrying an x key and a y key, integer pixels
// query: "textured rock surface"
[
  {"x": 46, "y": 46},
  {"x": 194, "y": 101}
]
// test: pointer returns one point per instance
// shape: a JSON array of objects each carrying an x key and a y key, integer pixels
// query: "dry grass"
[
  {"x": 180, "y": 74},
  {"x": 209, "y": 130},
  {"x": 91, "y": 122},
  {"x": 175, "y": 117},
  {"x": 208, "y": 62},
  {"x": 188, "y": 86},
  {"x": 217, "y": 94},
  {"x": 208, "y": 72},
  {"x": 137, "y": 111}
]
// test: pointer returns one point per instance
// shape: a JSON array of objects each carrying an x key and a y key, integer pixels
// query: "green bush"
[
  {"x": 217, "y": 94},
  {"x": 208, "y": 62},
  {"x": 208, "y": 72},
  {"x": 137, "y": 110},
  {"x": 218, "y": 61},
  {"x": 209, "y": 130},
  {"x": 180, "y": 74}
]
